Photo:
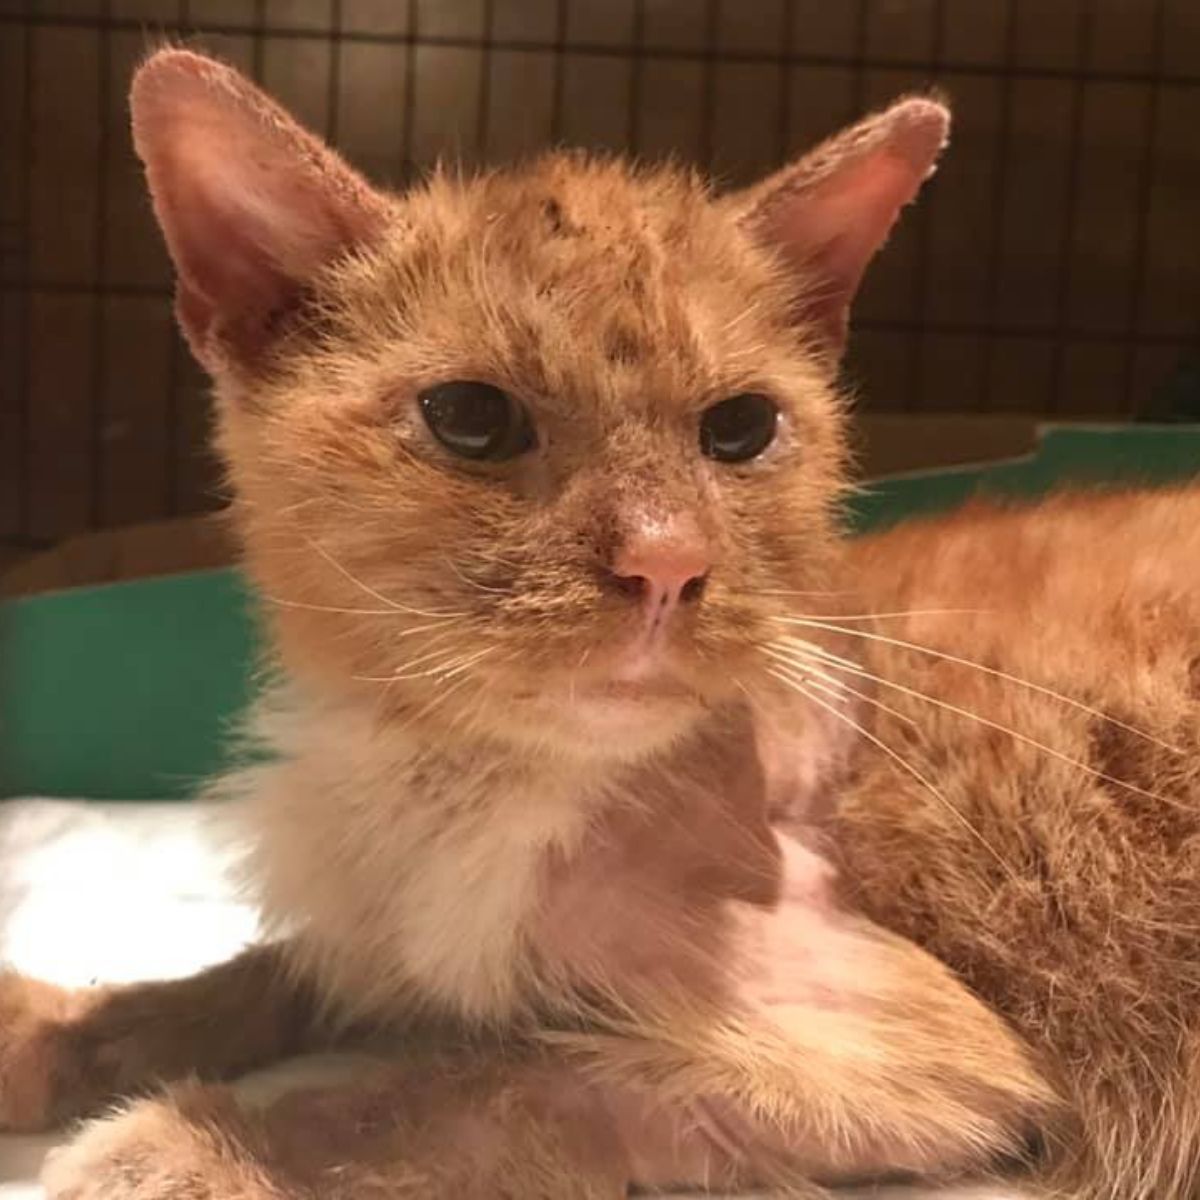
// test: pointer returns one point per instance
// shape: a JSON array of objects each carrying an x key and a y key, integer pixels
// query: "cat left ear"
[
  {"x": 252, "y": 206},
  {"x": 828, "y": 213}
]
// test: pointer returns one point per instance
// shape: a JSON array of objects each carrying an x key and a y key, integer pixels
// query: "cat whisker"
[
  {"x": 444, "y": 662},
  {"x": 884, "y": 616},
  {"x": 394, "y": 605},
  {"x": 429, "y": 647},
  {"x": 445, "y": 626},
  {"x": 995, "y": 672},
  {"x": 784, "y": 592},
  {"x": 491, "y": 557},
  {"x": 441, "y": 658},
  {"x": 438, "y": 699},
  {"x": 825, "y": 682},
  {"x": 466, "y": 713},
  {"x": 469, "y": 713},
  {"x": 799, "y": 684},
  {"x": 802, "y": 656},
  {"x": 474, "y": 583},
  {"x": 466, "y": 663},
  {"x": 358, "y": 612}
]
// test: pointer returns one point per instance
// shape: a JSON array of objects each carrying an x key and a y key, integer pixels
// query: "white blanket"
[{"x": 121, "y": 892}]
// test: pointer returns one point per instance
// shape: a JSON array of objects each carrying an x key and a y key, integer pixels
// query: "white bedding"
[{"x": 120, "y": 892}]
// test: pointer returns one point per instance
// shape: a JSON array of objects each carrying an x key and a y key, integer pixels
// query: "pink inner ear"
[
  {"x": 241, "y": 248},
  {"x": 223, "y": 262},
  {"x": 875, "y": 193},
  {"x": 251, "y": 205},
  {"x": 831, "y": 212}
]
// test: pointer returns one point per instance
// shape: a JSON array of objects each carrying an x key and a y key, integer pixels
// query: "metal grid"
[{"x": 1053, "y": 268}]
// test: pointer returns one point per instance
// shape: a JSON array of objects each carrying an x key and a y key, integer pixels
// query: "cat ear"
[
  {"x": 251, "y": 204},
  {"x": 831, "y": 211}
]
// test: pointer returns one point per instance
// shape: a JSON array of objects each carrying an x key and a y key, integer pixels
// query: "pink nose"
[{"x": 662, "y": 569}]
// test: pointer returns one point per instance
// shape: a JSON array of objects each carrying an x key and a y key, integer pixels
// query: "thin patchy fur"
[{"x": 611, "y": 903}]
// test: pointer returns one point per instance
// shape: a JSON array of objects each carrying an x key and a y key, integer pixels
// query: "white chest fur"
[{"x": 402, "y": 874}]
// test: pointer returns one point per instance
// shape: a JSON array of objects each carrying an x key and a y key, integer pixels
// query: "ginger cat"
[{"x": 593, "y": 794}]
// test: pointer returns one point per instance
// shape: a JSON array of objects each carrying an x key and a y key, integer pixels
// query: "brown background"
[{"x": 1053, "y": 269}]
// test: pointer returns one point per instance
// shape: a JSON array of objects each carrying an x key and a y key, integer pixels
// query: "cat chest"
[
  {"x": 462, "y": 911},
  {"x": 512, "y": 910},
  {"x": 453, "y": 907}
]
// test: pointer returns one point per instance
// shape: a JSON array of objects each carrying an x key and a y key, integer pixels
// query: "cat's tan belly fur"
[{"x": 1093, "y": 950}]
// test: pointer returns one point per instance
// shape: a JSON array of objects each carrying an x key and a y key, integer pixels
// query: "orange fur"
[
  {"x": 63, "y": 1055},
  {"x": 1092, "y": 950},
  {"x": 615, "y": 891}
]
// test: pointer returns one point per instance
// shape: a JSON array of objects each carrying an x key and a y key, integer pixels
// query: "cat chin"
[{"x": 614, "y": 724}]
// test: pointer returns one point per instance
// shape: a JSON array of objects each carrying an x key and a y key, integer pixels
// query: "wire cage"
[{"x": 1052, "y": 268}]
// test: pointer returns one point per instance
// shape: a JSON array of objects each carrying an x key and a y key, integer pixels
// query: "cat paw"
[
  {"x": 38, "y": 1066},
  {"x": 154, "y": 1150},
  {"x": 105, "y": 1160}
]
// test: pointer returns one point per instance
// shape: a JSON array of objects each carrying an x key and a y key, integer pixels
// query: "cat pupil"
[
  {"x": 739, "y": 428},
  {"x": 477, "y": 420}
]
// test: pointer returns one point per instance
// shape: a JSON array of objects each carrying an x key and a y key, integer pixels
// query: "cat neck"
[{"x": 446, "y": 872}]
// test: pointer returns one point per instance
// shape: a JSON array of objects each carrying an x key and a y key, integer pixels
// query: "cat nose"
[{"x": 662, "y": 568}]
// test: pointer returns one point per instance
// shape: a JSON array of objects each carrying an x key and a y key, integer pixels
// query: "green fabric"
[
  {"x": 128, "y": 691},
  {"x": 124, "y": 691},
  {"x": 1080, "y": 456}
]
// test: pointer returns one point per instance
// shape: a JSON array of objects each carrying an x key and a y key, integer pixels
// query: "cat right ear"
[
  {"x": 252, "y": 206},
  {"x": 827, "y": 214}
]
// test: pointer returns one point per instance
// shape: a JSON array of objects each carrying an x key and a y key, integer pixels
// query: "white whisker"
[
  {"x": 800, "y": 661},
  {"x": 468, "y": 714},
  {"x": 885, "y": 616},
  {"x": 797, "y": 685},
  {"x": 785, "y": 592},
  {"x": 442, "y": 619},
  {"x": 370, "y": 591},
  {"x": 449, "y": 654},
  {"x": 466, "y": 663},
  {"x": 474, "y": 583},
  {"x": 995, "y": 672},
  {"x": 463, "y": 679},
  {"x": 438, "y": 698},
  {"x": 328, "y": 608},
  {"x": 828, "y": 683}
]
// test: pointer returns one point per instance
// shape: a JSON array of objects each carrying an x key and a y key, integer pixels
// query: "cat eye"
[
  {"x": 739, "y": 428},
  {"x": 477, "y": 420}
]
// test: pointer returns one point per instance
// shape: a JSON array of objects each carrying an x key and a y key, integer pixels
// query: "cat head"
[{"x": 546, "y": 451}]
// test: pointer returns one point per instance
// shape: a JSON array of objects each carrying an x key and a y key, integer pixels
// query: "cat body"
[
  {"x": 1079, "y": 919},
  {"x": 581, "y": 762}
]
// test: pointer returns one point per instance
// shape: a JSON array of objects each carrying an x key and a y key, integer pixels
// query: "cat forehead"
[
  {"x": 573, "y": 198},
  {"x": 567, "y": 214},
  {"x": 571, "y": 262}
]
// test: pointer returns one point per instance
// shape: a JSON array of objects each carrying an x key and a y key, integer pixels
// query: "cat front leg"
[
  {"x": 193, "y": 1142},
  {"x": 699, "y": 1106},
  {"x": 64, "y": 1054},
  {"x": 848, "y": 1053},
  {"x": 479, "y": 1128},
  {"x": 833, "y": 1050},
  {"x": 802, "y": 1092},
  {"x": 870, "y": 1054}
]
